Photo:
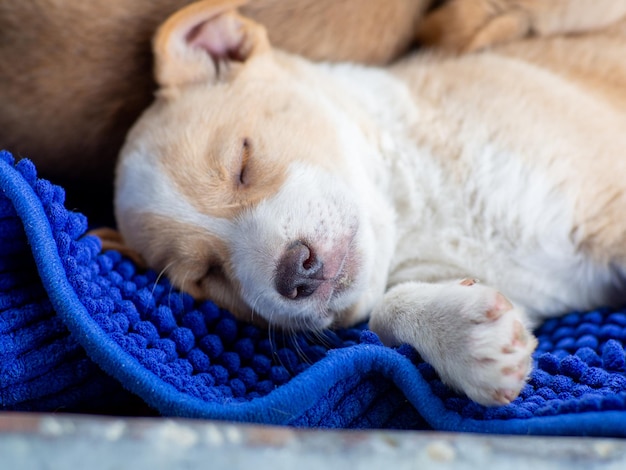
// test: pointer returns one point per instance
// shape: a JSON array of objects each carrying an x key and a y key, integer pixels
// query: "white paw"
[
  {"x": 497, "y": 348},
  {"x": 471, "y": 334}
]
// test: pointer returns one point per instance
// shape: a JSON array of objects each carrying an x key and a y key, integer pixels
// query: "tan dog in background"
[
  {"x": 470, "y": 25},
  {"x": 316, "y": 195},
  {"x": 75, "y": 75}
]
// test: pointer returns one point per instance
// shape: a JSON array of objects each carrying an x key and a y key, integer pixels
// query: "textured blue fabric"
[{"x": 82, "y": 330}]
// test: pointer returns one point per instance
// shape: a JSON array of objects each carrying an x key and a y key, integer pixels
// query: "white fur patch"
[{"x": 143, "y": 187}]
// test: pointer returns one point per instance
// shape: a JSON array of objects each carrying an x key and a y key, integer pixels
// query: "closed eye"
[
  {"x": 212, "y": 273},
  {"x": 246, "y": 149},
  {"x": 214, "y": 270}
]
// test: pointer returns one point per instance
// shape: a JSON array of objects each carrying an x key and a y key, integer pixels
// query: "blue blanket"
[{"x": 86, "y": 331}]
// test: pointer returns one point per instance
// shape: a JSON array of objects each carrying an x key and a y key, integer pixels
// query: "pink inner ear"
[{"x": 221, "y": 37}]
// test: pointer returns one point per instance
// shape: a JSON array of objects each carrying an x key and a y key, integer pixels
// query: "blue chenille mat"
[{"x": 87, "y": 331}]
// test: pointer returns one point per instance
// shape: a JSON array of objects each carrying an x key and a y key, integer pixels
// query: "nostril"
[
  {"x": 302, "y": 290},
  {"x": 303, "y": 259},
  {"x": 311, "y": 265},
  {"x": 299, "y": 271}
]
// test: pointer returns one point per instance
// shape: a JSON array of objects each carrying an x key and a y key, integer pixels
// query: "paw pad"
[{"x": 501, "y": 305}]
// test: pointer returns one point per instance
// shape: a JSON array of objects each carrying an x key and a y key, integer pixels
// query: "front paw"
[
  {"x": 471, "y": 334},
  {"x": 497, "y": 349}
]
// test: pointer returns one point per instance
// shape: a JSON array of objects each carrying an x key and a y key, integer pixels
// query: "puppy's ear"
[{"x": 207, "y": 41}]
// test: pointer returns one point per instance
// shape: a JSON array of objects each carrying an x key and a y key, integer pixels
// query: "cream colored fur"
[{"x": 393, "y": 189}]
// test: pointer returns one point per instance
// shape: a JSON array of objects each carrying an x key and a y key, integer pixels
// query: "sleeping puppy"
[
  {"x": 317, "y": 195},
  {"x": 75, "y": 75}
]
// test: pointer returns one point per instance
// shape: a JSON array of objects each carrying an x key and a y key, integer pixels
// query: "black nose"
[{"x": 299, "y": 272}]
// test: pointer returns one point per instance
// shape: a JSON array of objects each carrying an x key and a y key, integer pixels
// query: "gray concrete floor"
[{"x": 61, "y": 441}]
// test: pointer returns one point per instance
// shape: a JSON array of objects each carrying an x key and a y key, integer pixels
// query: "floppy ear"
[{"x": 206, "y": 41}]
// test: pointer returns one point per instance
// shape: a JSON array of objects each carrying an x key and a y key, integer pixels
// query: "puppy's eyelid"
[
  {"x": 246, "y": 149},
  {"x": 214, "y": 270},
  {"x": 211, "y": 272}
]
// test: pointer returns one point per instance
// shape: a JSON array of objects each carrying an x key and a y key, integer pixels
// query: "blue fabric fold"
[{"x": 87, "y": 331}]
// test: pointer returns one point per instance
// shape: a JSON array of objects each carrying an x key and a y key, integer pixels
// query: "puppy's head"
[{"x": 242, "y": 181}]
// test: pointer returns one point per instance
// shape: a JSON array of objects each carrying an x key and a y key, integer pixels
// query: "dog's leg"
[
  {"x": 478, "y": 342},
  {"x": 471, "y": 25}
]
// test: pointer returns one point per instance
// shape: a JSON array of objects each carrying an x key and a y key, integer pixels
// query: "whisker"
[
  {"x": 272, "y": 341},
  {"x": 271, "y": 330},
  {"x": 298, "y": 348},
  {"x": 254, "y": 304},
  {"x": 171, "y": 289},
  {"x": 321, "y": 338},
  {"x": 300, "y": 328},
  {"x": 174, "y": 282},
  {"x": 161, "y": 274}
]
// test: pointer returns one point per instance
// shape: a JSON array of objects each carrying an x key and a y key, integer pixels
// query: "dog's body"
[{"x": 318, "y": 195}]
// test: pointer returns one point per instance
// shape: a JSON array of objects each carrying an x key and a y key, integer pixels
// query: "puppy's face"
[{"x": 241, "y": 182}]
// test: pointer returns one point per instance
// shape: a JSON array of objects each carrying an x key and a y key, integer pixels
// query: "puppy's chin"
[{"x": 314, "y": 316}]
